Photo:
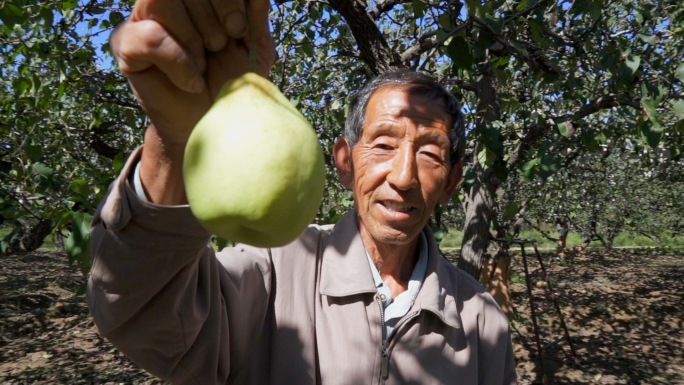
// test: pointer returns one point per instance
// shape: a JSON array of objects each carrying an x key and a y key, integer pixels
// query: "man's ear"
[
  {"x": 343, "y": 162},
  {"x": 455, "y": 175}
]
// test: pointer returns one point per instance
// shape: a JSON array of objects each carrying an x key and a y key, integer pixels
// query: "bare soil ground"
[{"x": 623, "y": 311}]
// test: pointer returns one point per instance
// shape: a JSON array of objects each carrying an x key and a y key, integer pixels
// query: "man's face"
[{"x": 400, "y": 165}]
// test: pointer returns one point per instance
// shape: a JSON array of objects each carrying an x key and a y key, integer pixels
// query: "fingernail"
[{"x": 235, "y": 23}]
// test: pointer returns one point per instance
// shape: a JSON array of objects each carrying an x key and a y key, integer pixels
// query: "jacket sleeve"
[
  {"x": 496, "y": 348},
  {"x": 160, "y": 295}
]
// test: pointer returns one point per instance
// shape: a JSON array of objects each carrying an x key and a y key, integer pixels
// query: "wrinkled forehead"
[{"x": 411, "y": 101}]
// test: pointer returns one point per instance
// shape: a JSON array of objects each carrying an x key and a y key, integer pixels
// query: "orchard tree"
[
  {"x": 605, "y": 192},
  {"x": 541, "y": 82},
  {"x": 67, "y": 119}
]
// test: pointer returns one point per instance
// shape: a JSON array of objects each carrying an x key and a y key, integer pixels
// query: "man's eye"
[
  {"x": 433, "y": 156},
  {"x": 382, "y": 146}
]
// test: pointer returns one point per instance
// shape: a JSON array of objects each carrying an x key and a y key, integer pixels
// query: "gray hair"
[{"x": 416, "y": 84}]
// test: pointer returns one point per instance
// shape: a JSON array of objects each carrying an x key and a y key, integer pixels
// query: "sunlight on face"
[{"x": 400, "y": 165}]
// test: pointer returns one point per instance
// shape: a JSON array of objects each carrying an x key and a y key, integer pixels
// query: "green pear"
[{"x": 254, "y": 169}]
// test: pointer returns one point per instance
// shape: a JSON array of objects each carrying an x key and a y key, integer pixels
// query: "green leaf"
[
  {"x": 649, "y": 39},
  {"x": 11, "y": 15},
  {"x": 118, "y": 162},
  {"x": 115, "y": 18},
  {"x": 482, "y": 157},
  {"x": 528, "y": 169},
  {"x": 490, "y": 136},
  {"x": 510, "y": 211},
  {"x": 651, "y": 132},
  {"x": 537, "y": 33},
  {"x": 522, "y": 5},
  {"x": 649, "y": 106},
  {"x": 21, "y": 85},
  {"x": 632, "y": 63},
  {"x": 444, "y": 20},
  {"x": 67, "y": 5},
  {"x": 496, "y": 24},
  {"x": 474, "y": 7},
  {"x": 678, "y": 108},
  {"x": 566, "y": 129},
  {"x": 459, "y": 52},
  {"x": 80, "y": 186},
  {"x": 77, "y": 245},
  {"x": 638, "y": 17},
  {"x": 307, "y": 48},
  {"x": 419, "y": 8},
  {"x": 680, "y": 72},
  {"x": 41, "y": 169}
]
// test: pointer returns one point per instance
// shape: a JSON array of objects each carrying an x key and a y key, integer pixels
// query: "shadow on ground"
[
  {"x": 624, "y": 315},
  {"x": 46, "y": 335},
  {"x": 623, "y": 310}
]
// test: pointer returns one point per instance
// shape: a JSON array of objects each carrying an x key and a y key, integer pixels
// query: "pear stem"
[{"x": 252, "y": 44}]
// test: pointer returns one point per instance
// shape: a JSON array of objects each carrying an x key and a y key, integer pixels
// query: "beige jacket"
[{"x": 307, "y": 313}]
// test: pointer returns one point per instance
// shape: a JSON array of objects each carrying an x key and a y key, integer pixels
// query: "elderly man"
[{"x": 368, "y": 300}]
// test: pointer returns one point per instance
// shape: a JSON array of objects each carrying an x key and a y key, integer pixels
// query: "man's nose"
[{"x": 403, "y": 175}]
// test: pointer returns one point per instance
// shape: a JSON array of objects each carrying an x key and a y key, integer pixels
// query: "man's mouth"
[{"x": 397, "y": 207}]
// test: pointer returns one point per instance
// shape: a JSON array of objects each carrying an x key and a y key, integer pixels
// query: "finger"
[
  {"x": 228, "y": 64},
  {"x": 140, "y": 45},
  {"x": 260, "y": 10},
  {"x": 265, "y": 45},
  {"x": 172, "y": 15},
  {"x": 232, "y": 14},
  {"x": 207, "y": 23},
  {"x": 268, "y": 55},
  {"x": 156, "y": 93}
]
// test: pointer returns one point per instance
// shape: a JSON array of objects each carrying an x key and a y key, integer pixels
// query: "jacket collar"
[
  {"x": 345, "y": 272},
  {"x": 344, "y": 267},
  {"x": 439, "y": 291}
]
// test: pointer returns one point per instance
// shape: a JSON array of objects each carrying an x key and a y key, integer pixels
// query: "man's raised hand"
[{"x": 177, "y": 54}]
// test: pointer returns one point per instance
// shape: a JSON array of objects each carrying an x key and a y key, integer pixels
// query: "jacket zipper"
[
  {"x": 384, "y": 363},
  {"x": 384, "y": 367}
]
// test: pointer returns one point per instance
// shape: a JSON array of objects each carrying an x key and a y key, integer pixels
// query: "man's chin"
[
  {"x": 385, "y": 233},
  {"x": 397, "y": 237}
]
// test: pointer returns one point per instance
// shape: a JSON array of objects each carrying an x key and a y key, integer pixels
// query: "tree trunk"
[
  {"x": 478, "y": 206},
  {"x": 28, "y": 238},
  {"x": 480, "y": 199},
  {"x": 496, "y": 277},
  {"x": 372, "y": 44},
  {"x": 563, "y": 231}
]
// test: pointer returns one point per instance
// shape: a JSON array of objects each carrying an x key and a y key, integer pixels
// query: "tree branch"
[
  {"x": 602, "y": 103},
  {"x": 428, "y": 41},
  {"x": 534, "y": 59},
  {"x": 540, "y": 230},
  {"x": 99, "y": 145},
  {"x": 460, "y": 83},
  {"x": 384, "y": 7},
  {"x": 375, "y": 51},
  {"x": 537, "y": 131},
  {"x": 527, "y": 11}
]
